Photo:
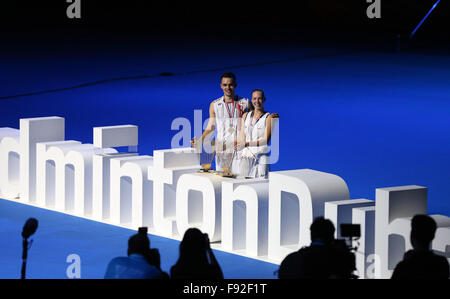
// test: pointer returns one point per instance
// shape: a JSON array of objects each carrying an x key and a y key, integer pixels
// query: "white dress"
[
  {"x": 228, "y": 127},
  {"x": 255, "y": 159}
]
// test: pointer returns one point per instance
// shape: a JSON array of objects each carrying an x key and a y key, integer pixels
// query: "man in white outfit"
[{"x": 225, "y": 115}]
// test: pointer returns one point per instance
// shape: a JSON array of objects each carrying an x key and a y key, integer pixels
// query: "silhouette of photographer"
[
  {"x": 142, "y": 262},
  {"x": 196, "y": 260},
  {"x": 421, "y": 262},
  {"x": 325, "y": 258}
]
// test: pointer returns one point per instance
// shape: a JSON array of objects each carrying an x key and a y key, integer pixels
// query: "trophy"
[
  {"x": 206, "y": 155},
  {"x": 225, "y": 159},
  {"x": 247, "y": 164}
]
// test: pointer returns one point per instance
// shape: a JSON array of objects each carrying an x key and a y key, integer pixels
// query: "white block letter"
[
  {"x": 189, "y": 209},
  {"x": 32, "y": 131},
  {"x": 131, "y": 192},
  {"x": 169, "y": 166},
  {"x": 392, "y": 204},
  {"x": 341, "y": 212},
  {"x": 245, "y": 216},
  {"x": 9, "y": 162},
  {"x": 296, "y": 197}
]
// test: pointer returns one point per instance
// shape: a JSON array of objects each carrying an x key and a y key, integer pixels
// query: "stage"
[
  {"x": 59, "y": 235},
  {"x": 375, "y": 117}
]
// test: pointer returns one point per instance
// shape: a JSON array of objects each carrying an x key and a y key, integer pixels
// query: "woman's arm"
[
  {"x": 241, "y": 138},
  {"x": 267, "y": 135}
]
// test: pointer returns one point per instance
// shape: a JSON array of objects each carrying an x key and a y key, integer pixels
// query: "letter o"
[{"x": 211, "y": 222}]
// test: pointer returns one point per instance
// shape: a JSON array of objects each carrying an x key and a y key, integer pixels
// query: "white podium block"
[
  {"x": 341, "y": 211},
  {"x": 131, "y": 196},
  {"x": 245, "y": 212},
  {"x": 169, "y": 166},
  {"x": 296, "y": 197},
  {"x": 101, "y": 164},
  {"x": 116, "y": 136},
  {"x": 201, "y": 209},
  {"x": 10, "y": 162},
  {"x": 32, "y": 131},
  {"x": 392, "y": 204}
]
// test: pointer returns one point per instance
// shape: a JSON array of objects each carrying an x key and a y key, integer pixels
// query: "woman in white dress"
[{"x": 254, "y": 138}]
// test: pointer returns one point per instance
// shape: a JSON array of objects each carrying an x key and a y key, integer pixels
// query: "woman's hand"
[
  {"x": 275, "y": 115},
  {"x": 239, "y": 145}
]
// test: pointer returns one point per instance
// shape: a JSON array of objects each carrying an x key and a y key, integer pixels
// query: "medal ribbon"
[
  {"x": 228, "y": 109},
  {"x": 231, "y": 115}
]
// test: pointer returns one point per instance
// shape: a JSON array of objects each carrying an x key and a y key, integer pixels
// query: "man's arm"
[{"x": 211, "y": 125}]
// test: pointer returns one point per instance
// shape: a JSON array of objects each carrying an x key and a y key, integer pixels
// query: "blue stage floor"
[
  {"x": 377, "y": 119},
  {"x": 60, "y": 235}
]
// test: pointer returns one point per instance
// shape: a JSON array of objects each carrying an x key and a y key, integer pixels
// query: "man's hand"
[{"x": 193, "y": 141}]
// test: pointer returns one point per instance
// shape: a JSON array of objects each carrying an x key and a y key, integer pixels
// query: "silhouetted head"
[
  {"x": 423, "y": 228},
  {"x": 193, "y": 246},
  {"x": 322, "y": 230},
  {"x": 138, "y": 244}
]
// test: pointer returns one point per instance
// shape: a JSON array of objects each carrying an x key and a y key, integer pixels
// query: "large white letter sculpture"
[
  {"x": 260, "y": 218},
  {"x": 441, "y": 242},
  {"x": 365, "y": 217},
  {"x": 9, "y": 161},
  {"x": 296, "y": 198},
  {"x": 131, "y": 192},
  {"x": 169, "y": 166},
  {"x": 73, "y": 175},
  {"x": 32, "y": 131},
  {"x": 19, "y": 146},
  {"x": 391, "y": 231},
  {"x": 51, "y": 175},
  {"x": 201, "y": 208},
  {"x": 342, "y": 211},
  {"x": 245, "y": 212},
  {"x": 106, "y": 137}
]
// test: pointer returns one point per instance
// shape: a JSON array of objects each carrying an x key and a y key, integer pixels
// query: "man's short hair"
[
  {"x": 423, "y": 228},
  {"x": 322, "y": 229},
  {"x": 229, "y": 75}
]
